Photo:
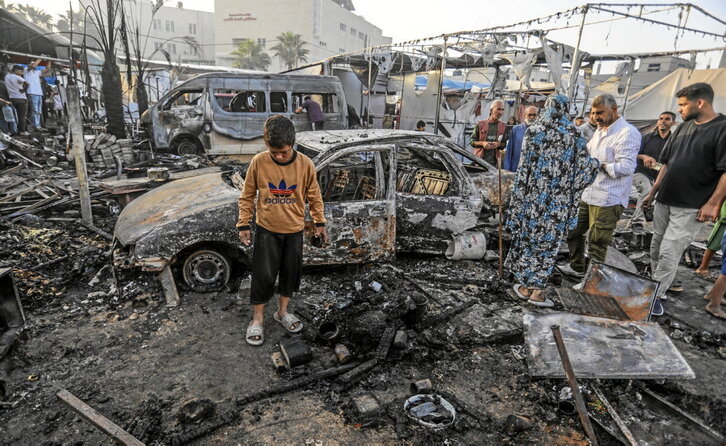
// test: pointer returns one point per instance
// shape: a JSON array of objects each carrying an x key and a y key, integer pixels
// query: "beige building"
[
  {"x": 329, "y": 27},
  {"x": 170, "y": 24}
]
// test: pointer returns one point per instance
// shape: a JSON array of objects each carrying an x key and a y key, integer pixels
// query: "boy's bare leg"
[
  {"x": 716, "y": 295},
  {"x": 703, "y": 267}
]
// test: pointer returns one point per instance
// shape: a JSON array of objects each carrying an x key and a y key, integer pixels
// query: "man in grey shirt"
[
  {"x": 16, "y": 87},
  {"x": 588, "y": 129}
]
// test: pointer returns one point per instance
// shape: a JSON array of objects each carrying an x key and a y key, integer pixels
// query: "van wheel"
[
  {"x": 187, "y": 146},
  {"x": 206, "y": 270}
]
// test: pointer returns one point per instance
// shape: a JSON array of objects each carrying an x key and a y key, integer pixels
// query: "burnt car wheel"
[
  {"x": 187, "y": 146},
  {"x": 206, "y": 270}
]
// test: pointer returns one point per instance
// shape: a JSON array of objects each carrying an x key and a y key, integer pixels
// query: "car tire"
[
  {"x": 206, "y": 270},
  {"x": 187, "y": 146}
]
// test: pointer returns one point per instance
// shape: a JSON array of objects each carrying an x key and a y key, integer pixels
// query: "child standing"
[{"x": 278, "y": 183}]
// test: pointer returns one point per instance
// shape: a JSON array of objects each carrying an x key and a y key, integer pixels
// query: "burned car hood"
[{"x": 172, "y": 202}]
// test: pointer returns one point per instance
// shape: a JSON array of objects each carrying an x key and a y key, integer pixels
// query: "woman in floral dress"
[{"x": 554, "y": 170}]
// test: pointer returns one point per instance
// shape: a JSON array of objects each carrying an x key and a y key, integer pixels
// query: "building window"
[
  {"x": 353, "y": 31},
  {"x": 323, "y": 44},
  {"x": 170, "y": 26},
  {"x": 341, "y": 50},
  {"x": 343, "y": 27},
  {"x": 262, "y": 41},
  {"x": 157, "y": 45},
  {"x": 653, "y": 67},
  {"x": 192, "y": 28},
  {"x": 361, "y": 35},
  {"x": 156, "y": 24},
  {"x": 172, "y": 48}
]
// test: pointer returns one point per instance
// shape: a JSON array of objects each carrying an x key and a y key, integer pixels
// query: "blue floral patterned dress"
[{"x": 553, "y": 171}]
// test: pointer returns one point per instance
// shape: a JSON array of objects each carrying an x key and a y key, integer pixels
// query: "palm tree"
[
  {"x": 63, "y": 24},
  {"x": 251, "y": 56},
  {"x": 106, "y": 20},
  {"x": 289, "y": 49},
  {"x": 34, "y": 15}
]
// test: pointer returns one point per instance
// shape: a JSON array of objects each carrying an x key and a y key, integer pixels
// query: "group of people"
[
  {"x": 27, "y": 99},
  {"x": 574, "y": 182}
]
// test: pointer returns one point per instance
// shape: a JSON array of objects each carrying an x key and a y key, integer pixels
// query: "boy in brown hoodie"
[{"x": 278, "y": 183}]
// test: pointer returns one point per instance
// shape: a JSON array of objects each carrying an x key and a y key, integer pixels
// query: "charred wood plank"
[
  {"x": 94, "y": 417},
  {"x": 294, "y": 384},
  {"x": 445, "y": 315}
]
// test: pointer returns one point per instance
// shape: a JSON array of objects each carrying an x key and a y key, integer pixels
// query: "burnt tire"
[
  {"x": 187, "y": 146},
  {"x": 206, "y": 270}
]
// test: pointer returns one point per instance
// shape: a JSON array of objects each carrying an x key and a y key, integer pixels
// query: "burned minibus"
[{"x": 221, "y": 114}]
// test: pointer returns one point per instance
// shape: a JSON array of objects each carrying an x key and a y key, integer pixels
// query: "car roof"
[{"x": 324, "y": 140}]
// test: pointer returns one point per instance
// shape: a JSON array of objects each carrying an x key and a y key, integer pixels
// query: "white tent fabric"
[{"x": 648, "y": 103}]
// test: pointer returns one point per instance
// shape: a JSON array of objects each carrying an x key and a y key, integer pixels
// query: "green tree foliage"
[
  {"x": 289, "y": 49},
  {"x": 251, "y": 56}
]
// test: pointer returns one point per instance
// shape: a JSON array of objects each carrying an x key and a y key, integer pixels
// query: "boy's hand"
[
  {"x": 322, "y": 233},
  {"x": 245, "y": 237}
]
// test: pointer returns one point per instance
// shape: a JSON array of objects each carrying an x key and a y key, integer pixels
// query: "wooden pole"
[
  {"x": 440, "y": 89},
  {"x": 79, "y": 152},
  {"x": 575, "y": 57},
  {"x": 501, "y": 246}
]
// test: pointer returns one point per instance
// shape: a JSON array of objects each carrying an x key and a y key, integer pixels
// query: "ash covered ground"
[{"x": 168, "y": 375}]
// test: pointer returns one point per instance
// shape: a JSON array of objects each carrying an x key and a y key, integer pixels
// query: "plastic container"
[{"x": 470, "y": 245}]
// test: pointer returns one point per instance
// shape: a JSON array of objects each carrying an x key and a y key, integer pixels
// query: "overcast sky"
[{"x": 411, "y": 19}]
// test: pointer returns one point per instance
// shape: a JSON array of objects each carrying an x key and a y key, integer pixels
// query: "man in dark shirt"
[
  {"x": 647, "y": 168},
  {"x": 489, "y": 135},
  {"x": 690, "y": 186},
  {"x": 315, "y": 113}
]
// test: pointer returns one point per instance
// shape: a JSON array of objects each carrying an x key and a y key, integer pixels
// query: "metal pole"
[
  {"x": 75, "y": 123},
  {"x": 631, "y": 68},
  {"x": 588, "y": 80},
  {"x": 439, "y": 90},
  {"x": 572, "y": 380},
  {"x": 575, "y": 57},
  {"x": 370, "y": 87}
]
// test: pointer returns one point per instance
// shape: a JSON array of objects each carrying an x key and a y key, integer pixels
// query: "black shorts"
[{"x": 275, "y": 254}]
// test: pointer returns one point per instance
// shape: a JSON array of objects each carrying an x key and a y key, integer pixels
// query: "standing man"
[
  {"x": 489, "y": 134},
  {"x": 35, "y": 92},
  {"x": 315, "y": 113},
  {"x": 514, "y": 144},
  {"x": 588, "y": 129},
  {"x": 16, "y": 87},
  {"x": 420, "y": 126},
  {"x": 647, "y": 169},
  {"x": 579, "y": 121},
  {"x": 615, "y": 144},
  {"x": 278, "y": 183},
  {"x": 691, "y": 185}
]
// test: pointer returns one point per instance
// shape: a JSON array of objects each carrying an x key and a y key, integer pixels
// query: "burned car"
[
  {"x": 384, "y": 191},
  {"x": 221, "y": 114}
]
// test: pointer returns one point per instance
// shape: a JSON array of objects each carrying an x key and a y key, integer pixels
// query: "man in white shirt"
[
  {"x": 35, "y": 91},
  {"x": 615, "y": 144},
  {"x": 16, "y": 85}
]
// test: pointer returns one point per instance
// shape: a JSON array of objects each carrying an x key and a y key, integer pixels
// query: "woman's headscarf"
[{"x": 554, "y": 161}]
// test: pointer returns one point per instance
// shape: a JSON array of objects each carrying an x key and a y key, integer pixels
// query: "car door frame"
[
  {"x": 359, "y": 231},
  {"x": 451, "y": 215}
]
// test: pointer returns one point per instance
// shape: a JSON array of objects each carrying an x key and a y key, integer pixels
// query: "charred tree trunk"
[
  {"x": 142, "y": 98},
  {"x": 113, "y": 97}
]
